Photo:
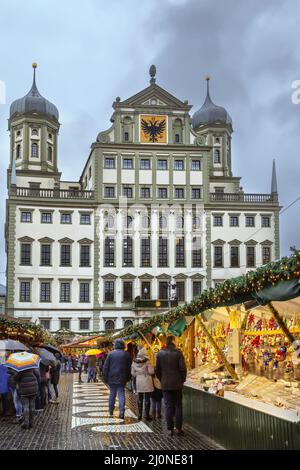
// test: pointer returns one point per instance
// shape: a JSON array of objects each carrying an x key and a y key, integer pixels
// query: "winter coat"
[
  {"x": 55, "y": 373},
  {"x": 143, "y": 371},
  {"x": 92, "y": 361},
  {"x": 43, "y": 372},
  {"x": 170, "y": 368},
  {"x": 3, "y": 379},
  {"x": 116, "y": 369},
  {"x": 26, "y": 381}
]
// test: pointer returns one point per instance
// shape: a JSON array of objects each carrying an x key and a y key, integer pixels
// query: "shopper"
[
  {"x": 92, "y": 363},
  {"x": 27, "y": 384},
  {"x": 156, "y": 398},
  {"x": 142, "y": 370},
  {"x": 54, "y": 378},
  {"x": 4, "y": 388},
  {"x": 80, "y": 366},
  {"x": 116, "y": 373},
  {"x": 171, "y": 371}
]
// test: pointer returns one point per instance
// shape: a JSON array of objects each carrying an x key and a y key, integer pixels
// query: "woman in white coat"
[{"x": 142, "y": 370}]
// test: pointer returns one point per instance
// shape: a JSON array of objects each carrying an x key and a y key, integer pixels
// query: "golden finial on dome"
[
  {"x": 207, "y": 78},
  {"x": 34, "y": 65}
]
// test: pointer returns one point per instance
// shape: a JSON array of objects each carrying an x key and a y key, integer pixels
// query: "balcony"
[
  {"x": 246, "y": 198},
  {"x": 153, "y": 304},
  {"x": 51, "y": 193}
]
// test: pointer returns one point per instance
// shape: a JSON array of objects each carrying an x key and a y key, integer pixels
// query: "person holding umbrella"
[{"x": 25, "y": 378}]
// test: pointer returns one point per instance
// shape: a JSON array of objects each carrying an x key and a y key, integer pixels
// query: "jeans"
[
  {"x": 114, "y": 390},
  {"x": 173, "y": 408},
  {"x": 17, "y": 402},
  {"x": 91, "y": 374},
  {"x": 28, "y": 409},
  {"x": 156, "y": 406}
]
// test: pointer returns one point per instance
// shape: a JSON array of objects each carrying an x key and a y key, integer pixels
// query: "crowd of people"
[{"x": 33, "y": 389}]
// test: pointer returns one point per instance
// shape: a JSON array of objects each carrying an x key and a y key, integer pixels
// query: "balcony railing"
[
  {"x": 242, "y": 197},
  {"x": 51, "y": 193},
  {"x": 153, "y": 304}
]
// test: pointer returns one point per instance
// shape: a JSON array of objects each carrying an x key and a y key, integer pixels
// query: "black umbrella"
[
  {"x": 52, "y": 349},
  {"x": 46, "y": 356},
  {"x": 12, "y": 345}
]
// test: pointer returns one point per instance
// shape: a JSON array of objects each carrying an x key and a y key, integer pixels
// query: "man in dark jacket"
[
  {"x": 27, "y": 384},
  {"x": 171, "y": 371},
  {"x": 116, "y": 373}
]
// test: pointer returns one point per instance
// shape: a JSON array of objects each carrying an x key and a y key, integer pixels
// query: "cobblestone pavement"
[{"x": 81, "y": 421}]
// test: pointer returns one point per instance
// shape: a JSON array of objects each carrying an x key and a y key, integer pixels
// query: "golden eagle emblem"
[{"x": 153, "y": 128}]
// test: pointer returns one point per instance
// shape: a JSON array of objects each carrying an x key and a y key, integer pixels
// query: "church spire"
[{"x": 274, "y": 179}]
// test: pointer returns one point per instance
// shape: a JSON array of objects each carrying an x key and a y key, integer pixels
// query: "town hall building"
[{"x": 155, "y": 217}]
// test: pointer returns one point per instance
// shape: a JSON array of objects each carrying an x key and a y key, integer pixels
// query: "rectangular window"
[
  {"x": 65, "y": 218},
  {"x": 45, "y": 292},
  {"x": 127, "y": 291},
  {"x": 109, "y": 191},
  {"x": 179, "y": 193},
  {"x": 218, "y": 257},
  {"x": 85, "y": 255},
  {"x": 163, "y": 252},
  {"x": 126, "y": 136},
  {"x": 46, "y": 217},
  {"x": 127, "y": 192},
  {"x": 196, "y": 193},
  {"x": 234, "y": 221},
  {"x": 196, "y": 253},
  {"x": 197, "y": 288},
  {"x": 25, "y": 291},
  {"x": 65, "y": 255},
  {"x": 162, "y": 164},
  {"x": 127, "y": 252},
  {"x": 146, "y": 290},
  {"x": 85, "y": 219},
  {"x": 145, "y": 252},
  {"x": 218, "y": 221},
  {"x": 250, "y": 257},
  {"x": 265, "y": 221},
  {"x": 84, "y": 292},
  {"x": 145, "y": 164},
  {"x": 266, "y": 254},
  {"x": 234, "y": 257},
  {"x": 196, "y": 165},
  {"x": 64, "y": 324},
  {"x": 127, "y": 163},
  {"x": 180, "y": 258},
  {"x": 180, "y": 291},
  {"x": 45, "y": 323},
  {"x": 65, "y": 292},
  {"x": 145, "y": 193},
  {"x": 163, "y": 290},
  {"x": 162, "y": 193},
  {"x": 109, "y": 252},
  {"x": 109, "y": 163},
  {"x": 84, "y": 324},
  {"x": 109, "y": 291},
  {"x": 26, "y": 254},
  {"x": 26, "y": 216},
  {"x": 178, "y": 165},
  {"x": 250, "y": 221},
  {"x": 45, "y": 255}
]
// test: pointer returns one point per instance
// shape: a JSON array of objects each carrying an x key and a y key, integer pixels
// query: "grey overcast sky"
[{"x": 90, "y": 52}]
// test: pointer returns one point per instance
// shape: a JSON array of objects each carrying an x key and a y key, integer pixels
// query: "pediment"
[
  {"x": 46, "y": 240},
  {"x": 197, "y": 276},
  {"x": 180, "y": 276},
  {"x": 146, "y": 98},
  {"x": 251, "y": 242},
  {"x": 267, "y": 243},
  {"x": 66, "y": 240},
  {"x": 26, "y": 239},
  {"x": 109, "y": 276},
  {"x": 218, "y": 242},
  {"x": 85, "y": 241},
  {"x": 146, "y": 276},
  {"x": 163, "y": 276},
  {"x": 128, "y": 276}
]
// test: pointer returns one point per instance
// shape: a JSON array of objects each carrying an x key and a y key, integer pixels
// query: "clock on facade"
[{"x": 153, "y": 128}]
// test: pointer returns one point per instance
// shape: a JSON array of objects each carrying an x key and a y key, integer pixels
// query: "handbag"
[{"x": 156, "y": 383}]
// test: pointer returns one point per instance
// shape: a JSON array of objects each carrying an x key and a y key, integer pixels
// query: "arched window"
[
  {"x": 217, "y": 156},
  {"x": 34, "y": 132},
  {"x": 146, "y": 222},
  {"x": 196, "y": 222},
  {"x": 128, "y": 221},
  {"x": 177, "y": 131},
  {"x": 162, "y": 222},
  {"x": 128, "y": 323},
  {"x": 109, "y": 325},
  {"x": 109, "y": 221},
  {"x": 34, "y": 150},
  {"x": 49, "y": 154},
  {"x": 179, "y": 222},
  {"x": 18, "y": 151}
]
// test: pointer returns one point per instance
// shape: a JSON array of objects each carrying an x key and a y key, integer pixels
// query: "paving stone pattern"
[{"x": 81, "y": 422}]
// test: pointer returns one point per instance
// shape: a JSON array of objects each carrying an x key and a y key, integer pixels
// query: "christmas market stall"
[
  {"x": 241, "y": 342},
  {"x": 26, "y": 332}
]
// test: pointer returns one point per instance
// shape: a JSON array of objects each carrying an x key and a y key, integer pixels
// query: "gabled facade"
[{"x": 156, "y": 205}]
